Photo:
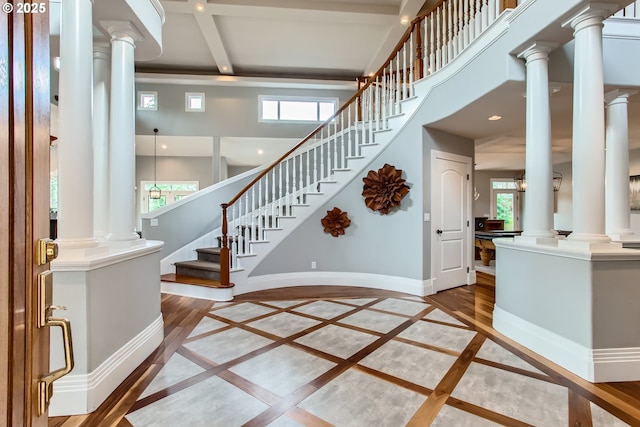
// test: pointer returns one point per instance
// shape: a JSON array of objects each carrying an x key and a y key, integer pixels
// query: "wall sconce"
[
  {"x": 154, "y": 192},
  {"x": 521, "y": 182}
]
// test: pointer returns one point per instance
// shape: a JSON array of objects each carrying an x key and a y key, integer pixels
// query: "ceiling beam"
[{"x": 211, "y": 36}]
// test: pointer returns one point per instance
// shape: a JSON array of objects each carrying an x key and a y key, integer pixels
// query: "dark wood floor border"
[{"x": 429, "y": 410}]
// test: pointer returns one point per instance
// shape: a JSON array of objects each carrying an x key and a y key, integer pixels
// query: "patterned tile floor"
[{"x": 347, "y": 362}]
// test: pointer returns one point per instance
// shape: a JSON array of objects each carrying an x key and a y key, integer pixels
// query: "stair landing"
[{"x": 196, "y": 287}]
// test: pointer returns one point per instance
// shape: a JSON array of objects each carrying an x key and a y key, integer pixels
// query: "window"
[
  {"x": 505, "y": 203},
  {"x": 194, "y": 101},
  {"x": 148, "y": 101},
  {"x": 171, "y": 192},
  {"x": 296, "y": 109}
]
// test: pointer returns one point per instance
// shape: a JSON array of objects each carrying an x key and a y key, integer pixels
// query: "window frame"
[
  {"x": 140, "y": 104},
  {"x": 277, "y": 98},
  {"x": 187, "y": 107}
]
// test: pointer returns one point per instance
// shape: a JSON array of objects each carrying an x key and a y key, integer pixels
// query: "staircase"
[{"x": 280, "y": 198}]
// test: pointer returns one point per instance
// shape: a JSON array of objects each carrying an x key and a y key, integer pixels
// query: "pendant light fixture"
[{"x": 154, "y": 192}]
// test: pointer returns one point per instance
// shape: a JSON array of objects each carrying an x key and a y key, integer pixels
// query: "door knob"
[{"x": 439, "y": 231}]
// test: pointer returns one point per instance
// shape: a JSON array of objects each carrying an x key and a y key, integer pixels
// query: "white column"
[
  {"x": 101, "y": 89},
  {"x": 75, "y": 153},
  {"x": 122, "y": 133},
  {"x": 618, "y": 215},
  {"x": 538, "y": 215},
  {"x": 588, "y": 127}
]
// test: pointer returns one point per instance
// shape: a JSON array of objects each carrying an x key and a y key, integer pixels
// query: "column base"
[
  {"x": 89, "y": 242},
  {"x": 586, "y": 246},
  {"x": 623, "y": 236},
  {"x": 588, "y": 237},
  {"x": 113, "y": 237}
]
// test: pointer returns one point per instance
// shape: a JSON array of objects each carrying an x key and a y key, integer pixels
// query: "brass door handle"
[
  {"x": 44, "y": 319},
  {"x": 45, "y": 384}
]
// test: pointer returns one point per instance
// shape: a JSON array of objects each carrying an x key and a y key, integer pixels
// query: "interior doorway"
[{"x": 505, "y": 203}]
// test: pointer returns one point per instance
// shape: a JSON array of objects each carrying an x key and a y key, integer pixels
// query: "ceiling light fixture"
[
  {"x": 200, "y": 7},
  {"x": 495, "y": 117},
  {"x": 164, "y": 146},
  {"x": 260, "y": 152},
  {"x": 521, "y": 182},
  {"x": 404, "y": 20}
]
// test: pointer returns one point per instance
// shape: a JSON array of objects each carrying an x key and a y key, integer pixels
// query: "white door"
[{"x": 450, "y": 220}]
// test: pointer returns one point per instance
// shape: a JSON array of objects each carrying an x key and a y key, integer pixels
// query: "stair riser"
[
  {"x": 202, "y": 274},
  {"x": 202, "y": 256}
]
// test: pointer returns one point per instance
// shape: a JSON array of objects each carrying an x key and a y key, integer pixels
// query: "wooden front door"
[{"x": 24, "y": 211}]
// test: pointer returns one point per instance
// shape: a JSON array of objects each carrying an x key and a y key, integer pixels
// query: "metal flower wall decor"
[
  {"x": 384, "y": 189},
  {"x": 335, "y": 222}
]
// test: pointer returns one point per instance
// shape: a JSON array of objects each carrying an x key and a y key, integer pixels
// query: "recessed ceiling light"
[
  {"x": 164, "y": 146},
  {"x": 404, "y": 20},
  {"x": 260, "y": 152},
  {"x": 494, "y": 118},
  {"x": 200, "y": 7},
  {"x": 225, "y": 68}
]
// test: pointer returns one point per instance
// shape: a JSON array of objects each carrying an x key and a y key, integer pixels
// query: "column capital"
[
  {"x": 617, "y": 96},
  {"x": 102, "y": 50},
  {"x": 537, "y": 50},
  {"x": 591, "y": 14},
  {"x": 122, "y": 30}
]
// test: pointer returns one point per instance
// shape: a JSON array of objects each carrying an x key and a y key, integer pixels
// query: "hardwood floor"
[{"x": 275, "y": 355}]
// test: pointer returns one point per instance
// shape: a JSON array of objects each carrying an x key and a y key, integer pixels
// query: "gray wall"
[
  {"x": 230, "y": 111},
  {"x": 396, "y": 244}
]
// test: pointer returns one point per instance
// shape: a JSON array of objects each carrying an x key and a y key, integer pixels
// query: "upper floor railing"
[{"x": 432, "y": 40}]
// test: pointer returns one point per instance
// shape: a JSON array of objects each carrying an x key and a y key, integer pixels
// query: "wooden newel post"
[
  {"x": 418, "y": 60},
  {"x": 224, "y": 249}
]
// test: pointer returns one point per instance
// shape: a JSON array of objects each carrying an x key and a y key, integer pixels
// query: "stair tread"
[
  {"x": 197, "y": 281},
  {"x": 215, "y": 251},
  {"x": 199, "y": 265}
]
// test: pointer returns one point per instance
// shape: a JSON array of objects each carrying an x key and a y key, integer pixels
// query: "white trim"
[
  {"x": 140, "y": 105},
  {"x": 195, "y": 291},
  {"x": 604, "y": 252},
  {"x": 187, "y": 98},
  {"x": 367, "y": 280},
  {"x": 595, "y": 365},
  {"x": 103, "y": 256},
  {"x": 82, "y": 393}
]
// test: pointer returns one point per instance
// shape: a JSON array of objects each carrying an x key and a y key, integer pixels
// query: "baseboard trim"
[
  {"x": 367, "y": 280},
  {"x": 594, "y": 365},
  {"x": 77, "y": 394}
]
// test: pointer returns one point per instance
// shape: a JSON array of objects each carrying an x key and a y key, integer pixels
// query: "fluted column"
[
  {"x": 75, "y": 152},
  {"x": 538, "y": 215},
  {"x": 101, "y": 89},
  {"x": 122, "y": 133},
  {"x": 618, "y": 215},
  {"x": 588, "y": 127}
]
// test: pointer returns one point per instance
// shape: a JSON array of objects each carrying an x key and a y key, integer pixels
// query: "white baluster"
[
  {"x": 322, "y": 165},
  {"x": 465, "y": 24},
  {"x": 294, "y": 181},
  {"x": 485, "y": 15},
  {"x": 336, "y": 154},
  {"x": 267, "y": 202},
  {"x": 274, "y": 213},
  {"x": 281, "y": 189},
  {"x": 450, "y": 31},
  {"x": 247, "y": 222},
  {"x": 287, "y": 201},
  {"x": 405, "y": 78},
  {"x": 425, "y": 50},
  {"x": 260, "y": 213},
  {"x": 398, "y": 80},
  {"x": 370, "y": 115},
  {"x": 308, "y": 177},
  {"x": 437, "y": 18},
  {"x": 343, "y": 142},
  {"x": 478, "y": 18},
  {"x": 432, "y": 43},
  {"x": 494, "y": 10},
  {"x": 456, "y": 36},
  {"x": 301, "y": 177},
  {"x": 350, "y": 141},
  {"x": 411, "y": 62}
]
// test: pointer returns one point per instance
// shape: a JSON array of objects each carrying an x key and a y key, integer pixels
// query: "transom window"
[
  {"x": 296, "y": 109},
  {"x": 147, "y": 101},
  {"x": 194, "y": 101}
]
